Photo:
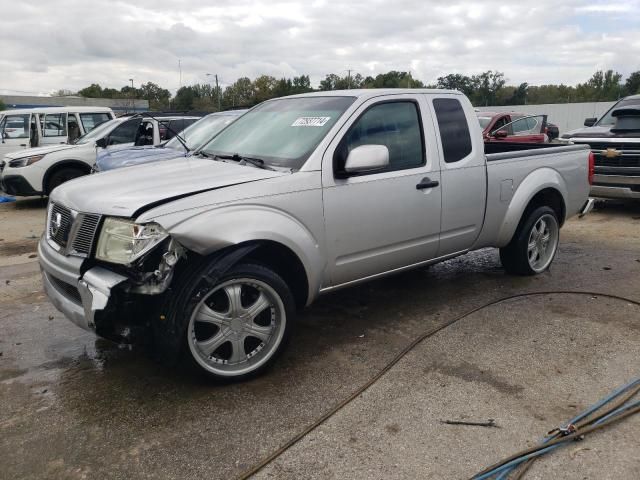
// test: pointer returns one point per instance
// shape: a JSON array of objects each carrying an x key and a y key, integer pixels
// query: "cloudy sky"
[{"x": 45, "y": 46}]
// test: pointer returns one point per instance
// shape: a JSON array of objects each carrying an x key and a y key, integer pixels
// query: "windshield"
[
  {"x": 281, "y": 132},
  {"x": 98, "y": 132},
  {"x": 484, "y": 122},
  {"x": 197, "y": 134},
  {"x": 607, "y": 119}
]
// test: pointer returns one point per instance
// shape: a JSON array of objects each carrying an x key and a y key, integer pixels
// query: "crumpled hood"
[
  {"x": 28, "y": 152},
  {"x": 135, "y": 156},
  {"x": 128, "y": 191}
]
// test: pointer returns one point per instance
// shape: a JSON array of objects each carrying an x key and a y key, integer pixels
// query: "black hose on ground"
[{"x": 429, "y": 333}]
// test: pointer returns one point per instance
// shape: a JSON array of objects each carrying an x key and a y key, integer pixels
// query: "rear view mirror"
[
  {"x": 367, "y": 158},
  {"x": 500, "y": 134},
  {"x": 101, "y": 142},
  {"x": 590, "y": 122}
]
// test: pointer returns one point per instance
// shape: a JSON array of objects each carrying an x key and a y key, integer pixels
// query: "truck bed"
[{"x": 503, "y": 151}]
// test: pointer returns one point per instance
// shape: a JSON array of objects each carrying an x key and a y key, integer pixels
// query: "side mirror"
[
  {"x": 590, "y": 122},
  {"x": 367, "y": 158},
  {"x": 101, "y": 142},
  {"x": 500, "y": 134}
]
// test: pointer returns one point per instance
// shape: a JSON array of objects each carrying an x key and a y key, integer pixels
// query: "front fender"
[
  {"x": 222, "y": 227},
  {"x": 532, "y": 184}
]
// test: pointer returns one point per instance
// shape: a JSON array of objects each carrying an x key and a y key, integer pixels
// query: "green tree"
[
  {"x": 519, "y": 95},
  {"x": 92, "y": 91},
  {"x": 486, "y": 87},
  {"x": 184, "y": 99},
  {"x": 2, "y": 105},
  {"x": 263, "y": 88},
  {"x": 456, "y": 81},
  {"x": 632, "y": 85},
  {"x": 157, "y": 96},
  {"x": 239, "y": 94},
  {"x": 392, "y": 79}
]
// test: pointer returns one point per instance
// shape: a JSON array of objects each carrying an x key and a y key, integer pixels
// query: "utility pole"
[
  {"x": 349, "y": 79},
  {"x": 218, "y": 96},
  {"x": 180, "y": 70},
  {"x": 132, "y": 100}
]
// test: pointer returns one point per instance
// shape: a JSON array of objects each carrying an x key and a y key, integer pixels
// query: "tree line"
[{"x": 485, "y": 89}]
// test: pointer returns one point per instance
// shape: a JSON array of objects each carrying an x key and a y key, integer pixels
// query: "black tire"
[
  {"x": 515, "y": 256},
  {"x": 61, "y": 176},
  {"x": 195, "y": 288}
]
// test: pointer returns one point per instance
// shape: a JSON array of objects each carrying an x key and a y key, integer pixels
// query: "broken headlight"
[{"x": 123, "y": 241}]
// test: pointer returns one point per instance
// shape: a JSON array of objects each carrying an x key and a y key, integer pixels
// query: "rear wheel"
[
  {"x": 61, "y": 176},
  {"x": 534, "y": 245},
  {"x": 238, "y": 326}
]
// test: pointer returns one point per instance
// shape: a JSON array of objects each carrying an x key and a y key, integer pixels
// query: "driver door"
[
  {"x": 379, "y": 221},
  {"x": 529, "y": 129}
]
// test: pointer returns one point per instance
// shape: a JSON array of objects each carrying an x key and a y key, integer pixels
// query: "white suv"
[{"x": 38, "y": 171}]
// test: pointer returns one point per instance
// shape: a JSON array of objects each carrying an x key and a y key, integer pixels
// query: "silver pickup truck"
[{"x": 211, "y": 255}]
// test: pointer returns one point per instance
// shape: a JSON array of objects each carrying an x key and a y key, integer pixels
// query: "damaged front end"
[{"x": 115, "y": 292}]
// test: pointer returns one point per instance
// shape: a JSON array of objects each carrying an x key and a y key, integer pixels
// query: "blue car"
[{"x": 195, "y": 136}]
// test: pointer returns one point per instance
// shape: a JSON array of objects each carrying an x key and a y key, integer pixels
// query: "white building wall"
[{"x": 567, "y": 116}]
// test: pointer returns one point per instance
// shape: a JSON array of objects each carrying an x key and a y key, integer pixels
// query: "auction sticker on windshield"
[{"x": 310, "y": 121}]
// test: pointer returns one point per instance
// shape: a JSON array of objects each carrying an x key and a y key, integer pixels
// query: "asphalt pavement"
[{"x": 74, "y": 406}]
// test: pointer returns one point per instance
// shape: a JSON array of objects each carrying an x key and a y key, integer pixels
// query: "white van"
[{"x": 36, "y": 127}]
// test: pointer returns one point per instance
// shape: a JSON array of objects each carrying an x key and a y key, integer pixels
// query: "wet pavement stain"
[
  {"x": 19, "y": 247},
  {"x": 471, "y": 373}
]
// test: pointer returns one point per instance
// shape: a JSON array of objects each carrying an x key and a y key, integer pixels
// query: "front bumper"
[
  {"x": 78, "y": 296},
  {"x": 17, "y": 185},
  {"x": 616, "y": 186}
]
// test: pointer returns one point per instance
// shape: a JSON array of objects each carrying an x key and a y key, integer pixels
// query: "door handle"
[{"x": 426, "y": 182}]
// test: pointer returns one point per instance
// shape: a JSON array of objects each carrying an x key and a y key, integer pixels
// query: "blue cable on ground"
[{"x": 506, "y": 469}]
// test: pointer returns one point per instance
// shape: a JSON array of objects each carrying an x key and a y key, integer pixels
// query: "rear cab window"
[{"x": 454, "y": 130}]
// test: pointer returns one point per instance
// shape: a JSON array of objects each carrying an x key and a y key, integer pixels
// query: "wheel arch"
[
  {"x": 278, "y": 240},
  {"x": 80, "y": 165},
  {"x": 543, "y": 187}
]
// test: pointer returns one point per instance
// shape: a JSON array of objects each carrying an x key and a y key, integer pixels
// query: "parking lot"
[{"x": 78, "y": 407}]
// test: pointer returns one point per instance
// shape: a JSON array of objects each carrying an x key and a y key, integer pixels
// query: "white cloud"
[{"x": 69, "y": 44}]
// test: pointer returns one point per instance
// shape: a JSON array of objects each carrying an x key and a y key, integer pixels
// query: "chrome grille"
[
  {"x": 85, "y": 232},
  {"x": 72, "y": 233},
  {"x": 628, "y": 154},
  {"x": 60, "y": 221}
]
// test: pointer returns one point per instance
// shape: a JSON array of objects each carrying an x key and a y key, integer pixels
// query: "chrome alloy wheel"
[
  {"x": 236, "y": 327},
  {"x": 543, "y": 242}
]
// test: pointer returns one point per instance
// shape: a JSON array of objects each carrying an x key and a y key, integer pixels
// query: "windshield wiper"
[{"x": 256, "y": 162}]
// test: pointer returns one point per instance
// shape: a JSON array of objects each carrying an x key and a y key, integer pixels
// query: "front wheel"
[
  {"x": 239, "y": 325},
  {"x": 534, "y": 245}
]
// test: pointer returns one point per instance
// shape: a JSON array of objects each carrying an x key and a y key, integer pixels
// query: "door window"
[
  {"x": 92, "y": 120},
  {"x": 125, "y": 133},
  {"x": 395, "y": 125},
  {"x": 454, "y": 131},
  {"x": 54, "y": 125},
  {"x": 527, "y": 126},
  {"x": 16, "y": 126}
]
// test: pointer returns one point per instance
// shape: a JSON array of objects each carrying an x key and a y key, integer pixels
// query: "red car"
[{"x": 513, "y": 127}]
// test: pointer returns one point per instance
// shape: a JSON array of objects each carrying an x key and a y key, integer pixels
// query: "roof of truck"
[{"x": 374, "y": 92}]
